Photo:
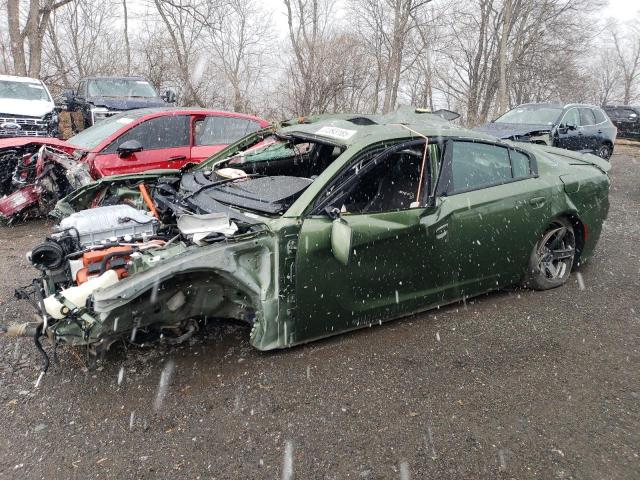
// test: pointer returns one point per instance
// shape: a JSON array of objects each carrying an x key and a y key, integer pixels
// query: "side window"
[
  {"x": 478, "y": 165},
  {"x": 81, "y": 92},
  {"x": 383, "y": 184},
  {"x": 600, "y": 116},
  {"x": 157, "y": 133},
  {"x": 586, "y": 117},
  {"x": 628, "y": 113},
  {"x": 222, "y": 130},
  {"x": 572, "y": 117},
  {"x": 521, "y": 164}
]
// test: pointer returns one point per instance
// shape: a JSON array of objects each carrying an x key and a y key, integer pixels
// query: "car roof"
[
  {"x": 119, "y": 77},
  {"x": 13, "y": 78},
  {"x": 559, "y": 104},
  {"x": 348, "y": 129},
  {"x": 160, "y": 111}
]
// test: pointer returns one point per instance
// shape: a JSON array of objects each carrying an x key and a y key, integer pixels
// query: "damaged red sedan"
[{"x": 36, "y": 172}]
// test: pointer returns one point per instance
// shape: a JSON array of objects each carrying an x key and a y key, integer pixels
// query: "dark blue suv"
[{"x": 574, "y": 126}]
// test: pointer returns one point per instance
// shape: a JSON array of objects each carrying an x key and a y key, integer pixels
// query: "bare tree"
[
  {"x": 500, "y": 48},
  {"x": 386, "y": 27},
  {"x": 185, "y": 21},
  {"x": 80, "y": 42},
  {"x": 33, "y": 33},
  {"x": 628, "y": 60},
  {"x": 240, "y": 44},
  {"x": 126, "y": 35}
]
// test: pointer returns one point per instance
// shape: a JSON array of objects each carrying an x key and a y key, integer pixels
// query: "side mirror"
[
  {"x": 341, "y": 240},
  {"x": 169, "y": 96},
  {"x": 128, "y": 148},
  {"x": 571, "y": 126}
]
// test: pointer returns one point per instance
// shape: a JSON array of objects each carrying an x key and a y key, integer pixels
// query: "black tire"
[
  {"x": 604, "y": 151},
  {"x": 552, "y": 257}
]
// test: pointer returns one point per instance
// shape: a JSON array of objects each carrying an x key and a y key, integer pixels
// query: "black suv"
[
  {"x": 102, "y": 97},
  {"x": 626, "y": 118},
  {"x": 585, "y": 128}
]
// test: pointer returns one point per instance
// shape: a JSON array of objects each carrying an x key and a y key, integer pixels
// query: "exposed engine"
[{"x": 95, "y": 249}]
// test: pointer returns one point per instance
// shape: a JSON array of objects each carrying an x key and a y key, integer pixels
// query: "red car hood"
[{"x": 22, "y": 141}]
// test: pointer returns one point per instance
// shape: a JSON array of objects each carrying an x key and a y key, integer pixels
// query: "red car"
[
  {"x": 130, "y": 142},
  {"x": 168, "y": 138}
]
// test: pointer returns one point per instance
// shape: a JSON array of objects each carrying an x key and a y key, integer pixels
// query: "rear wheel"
[
  {"x": 552, "y": 257},
  {"x": 604, "y": 151}
]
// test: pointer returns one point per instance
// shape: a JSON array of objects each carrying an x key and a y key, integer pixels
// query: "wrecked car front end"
[
  {"x": 33, "y": 177},
  {"x": 176, "y": 249}
]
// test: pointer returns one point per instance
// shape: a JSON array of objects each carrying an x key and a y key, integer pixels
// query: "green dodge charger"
[{"x": 313, "y": 228}]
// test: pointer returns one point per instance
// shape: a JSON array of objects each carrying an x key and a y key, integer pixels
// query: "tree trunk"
[
  {"x": 126, "y": 36},
  {"x": 16, "y": 38},
  {"x": 503, "y": 93}
]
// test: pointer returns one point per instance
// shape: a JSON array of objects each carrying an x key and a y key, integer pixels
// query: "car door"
[
  {"x": 165, "y": 144},
  {"x": 398, "y": 246},
  {"x": 568, "y": 130},
  {"x": 497, "y": 208},
  {"x": 211, "y": 133},
  {"x": 604, "y": 128},
  {"x": 588, "y": 132}
]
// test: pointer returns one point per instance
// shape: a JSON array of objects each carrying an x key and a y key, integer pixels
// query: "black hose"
[
  {"x": 109, "y": 256},
  {"x": 36, "y": 340}
]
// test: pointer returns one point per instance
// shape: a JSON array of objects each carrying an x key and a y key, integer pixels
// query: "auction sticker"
[{"x": 335, "y": 132}]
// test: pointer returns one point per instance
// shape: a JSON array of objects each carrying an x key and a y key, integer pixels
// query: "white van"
[{"x": 26, "y": 108}]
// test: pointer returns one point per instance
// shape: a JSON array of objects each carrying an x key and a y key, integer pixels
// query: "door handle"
[
  {"x": 176, "y": 158},
  {"x": 538, "y": 202},
  {"x": 442, "y": 231}
]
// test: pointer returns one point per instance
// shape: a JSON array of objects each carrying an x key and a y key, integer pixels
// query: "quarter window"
[
  {"x": 222, "y": 130},
  {"x": 521, "y": 164},
  {"x": 157, "y": 133}
]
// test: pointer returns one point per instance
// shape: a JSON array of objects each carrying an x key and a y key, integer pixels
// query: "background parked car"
[
  {"x": 580, "y": 127},
  {"x": 626, "y": 118},
  {"x": 26, "y": 108},
  {"x": 156, "y": 138},
  {"x": 102, "y": 97}
]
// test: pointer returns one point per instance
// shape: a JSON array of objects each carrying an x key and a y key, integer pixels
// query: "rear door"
[
  {"x": 588, "y": 130},
  {"x": 496, "y": 208},
  {"x": 212, "y": 133},
  {"x": 165, "y": 144}
]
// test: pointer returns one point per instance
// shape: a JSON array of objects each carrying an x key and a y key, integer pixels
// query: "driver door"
[
  {"x": 569, "y": 133},
  {"x": 399, "y": 247},
  {"x": 165, "y": 144}
]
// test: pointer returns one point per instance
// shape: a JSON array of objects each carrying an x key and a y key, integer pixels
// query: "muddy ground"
[{"x": 513, "y": 385}]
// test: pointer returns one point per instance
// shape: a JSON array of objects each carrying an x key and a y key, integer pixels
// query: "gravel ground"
[{"x": 514, "y": 384}]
